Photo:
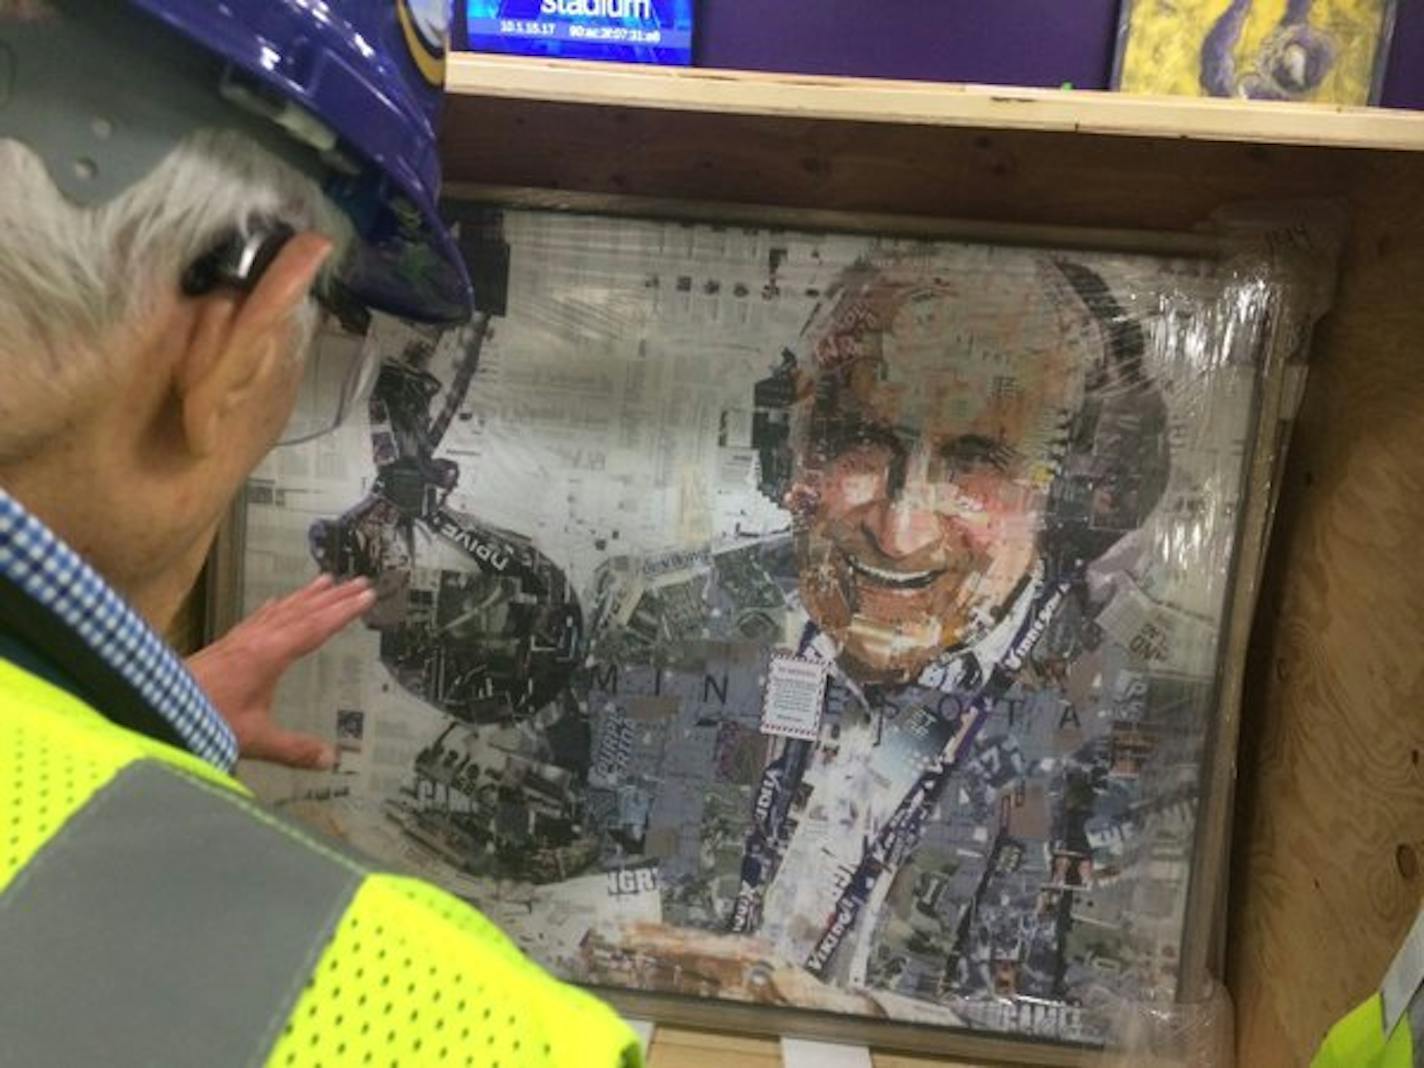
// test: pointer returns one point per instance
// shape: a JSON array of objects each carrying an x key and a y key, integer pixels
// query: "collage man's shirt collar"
[{"x": 49, "y": 573}]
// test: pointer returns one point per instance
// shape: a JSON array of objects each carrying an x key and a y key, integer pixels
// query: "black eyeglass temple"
[{"x": 239, "y": 260}]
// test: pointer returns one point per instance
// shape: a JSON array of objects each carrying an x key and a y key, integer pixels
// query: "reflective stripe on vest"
[{"x": 150, "y": 929}]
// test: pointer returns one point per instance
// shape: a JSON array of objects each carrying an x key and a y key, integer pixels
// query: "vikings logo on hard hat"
[{"x": 425, "y": 24}]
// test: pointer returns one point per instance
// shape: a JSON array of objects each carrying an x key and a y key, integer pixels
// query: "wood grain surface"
[
  {"x": 930, "y": 103},
  {"x": 674, "y": 1047},
  {"x": 679, "y": 1048},
  {"x": 1330, "y": 814},
  {"x": 1002, "y": 175}
]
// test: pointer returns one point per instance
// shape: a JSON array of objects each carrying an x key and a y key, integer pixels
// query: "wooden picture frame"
[{"x": 1278, "y": 346}]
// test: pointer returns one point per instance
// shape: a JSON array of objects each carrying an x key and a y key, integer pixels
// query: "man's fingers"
[
  {"x": 289, "y": 621},
  {"x": 275, "y": 608},
  {"x": 314, "y": 589},
  {"x": 339, "y": 592},
  {"x": 289, "y": 748},
  {"x": 280, "y": 631},
  {"x": 357, "y": 589},
  {"x": 263, "y": 611},
  {"x": 338, "y": 610}
]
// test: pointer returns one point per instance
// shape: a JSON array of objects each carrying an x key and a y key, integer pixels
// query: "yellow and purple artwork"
[{"x": 1325, "y": 51}]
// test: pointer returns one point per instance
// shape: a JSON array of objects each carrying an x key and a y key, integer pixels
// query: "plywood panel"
[
  {"x": 1330, "y": 824},
  {"x": 930, "y": 103},
  {"x": 678, "y": 1048},
  {"x": 674, "y": 1047},
  {"x": 1002, "y": 175}
]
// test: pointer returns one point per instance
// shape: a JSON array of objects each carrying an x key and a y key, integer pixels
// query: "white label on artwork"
[
  {"x": 644, "y": 1030},
  {"x": 800, "y": 1053},
  {"x": 795, "y": 695},
  {"x": 1157, "y": 633}
]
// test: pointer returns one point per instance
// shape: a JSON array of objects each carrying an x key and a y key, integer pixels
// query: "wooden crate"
[{"x": 1330, "y": 808}]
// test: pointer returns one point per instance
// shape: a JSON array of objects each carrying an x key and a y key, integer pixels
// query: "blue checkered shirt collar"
[{"x": 52, "y": 574}]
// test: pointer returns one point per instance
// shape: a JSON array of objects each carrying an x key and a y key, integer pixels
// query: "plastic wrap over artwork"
[{"x": 844, "y": 625}]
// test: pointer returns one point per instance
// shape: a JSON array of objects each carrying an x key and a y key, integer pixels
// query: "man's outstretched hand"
[{"x": 241, "y": 669}]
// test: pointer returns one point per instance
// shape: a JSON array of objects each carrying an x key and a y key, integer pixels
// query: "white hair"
[{"x": 75, "y": 282}]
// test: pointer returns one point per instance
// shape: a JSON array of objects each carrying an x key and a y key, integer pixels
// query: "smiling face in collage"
[{"x": 926, "y": 452}]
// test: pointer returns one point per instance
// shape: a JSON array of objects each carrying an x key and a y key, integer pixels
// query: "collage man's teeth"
[{"x": 896, "y": 579}]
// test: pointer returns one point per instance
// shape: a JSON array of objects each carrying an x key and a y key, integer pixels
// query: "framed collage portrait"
[{"x": 820, "y": 625}]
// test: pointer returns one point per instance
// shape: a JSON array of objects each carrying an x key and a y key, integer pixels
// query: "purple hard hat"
[{"x": 348, "y": 90}]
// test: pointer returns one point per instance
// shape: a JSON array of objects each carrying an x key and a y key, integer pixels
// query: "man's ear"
[{"x": 239, "y": 341}]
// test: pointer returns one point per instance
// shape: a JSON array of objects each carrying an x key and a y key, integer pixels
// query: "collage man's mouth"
[{"x": 890, "y": 578}]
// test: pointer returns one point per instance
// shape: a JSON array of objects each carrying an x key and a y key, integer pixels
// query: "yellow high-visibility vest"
[
  {"x": 1358, "y": 1041},
  {"x": 153, "y": 913}
]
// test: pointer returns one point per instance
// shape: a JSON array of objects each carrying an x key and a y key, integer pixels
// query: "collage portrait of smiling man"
[
  {"x": 910, "y": 478},
  {"x": 950, "y": 482},
  {"x": 923, "y": 473}
]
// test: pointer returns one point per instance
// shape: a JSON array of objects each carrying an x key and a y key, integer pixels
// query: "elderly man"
[{"x": 184, "y": 188}]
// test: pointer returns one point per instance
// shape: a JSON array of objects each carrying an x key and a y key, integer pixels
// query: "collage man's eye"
[
  {"x": 863, "y": 438},
  {"x": 969, "y": 452}
]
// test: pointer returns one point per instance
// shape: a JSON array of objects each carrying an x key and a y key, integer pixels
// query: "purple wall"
[
  {"x": 998, "y": 42},
  {"x": 1404, "y": 78},
  {"x": 1007, "y": 42},
  {"x": 1003, "y": 42}
]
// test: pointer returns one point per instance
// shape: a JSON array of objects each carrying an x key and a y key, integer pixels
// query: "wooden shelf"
[{"x": 932, "y": 103}]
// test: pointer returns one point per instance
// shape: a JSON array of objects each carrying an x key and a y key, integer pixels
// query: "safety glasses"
[
  {"x": 340, "y": 370},
  {"x": 340, "y": 367}
]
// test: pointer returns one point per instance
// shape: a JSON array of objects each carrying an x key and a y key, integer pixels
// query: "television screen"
[{"x": 628, "y": 31}]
